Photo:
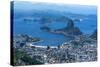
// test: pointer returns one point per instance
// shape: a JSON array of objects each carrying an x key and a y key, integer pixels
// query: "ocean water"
[
  {"x": 33, "y": 29},
  {"x": 87, "y": 26},
  {"x": 87, "y": 23}
]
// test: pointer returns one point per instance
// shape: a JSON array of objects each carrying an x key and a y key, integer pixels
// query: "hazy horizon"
[{"x": 70, "y": 8}]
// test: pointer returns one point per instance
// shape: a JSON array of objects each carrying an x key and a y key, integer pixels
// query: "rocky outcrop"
[
  {"x": 70, "y": 24},
  {"x": 45, "y": 28},
  {"x": 70, "y": 29}
]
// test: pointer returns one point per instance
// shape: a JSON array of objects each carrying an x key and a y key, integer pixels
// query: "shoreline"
[{"x": 38, "y": 46}]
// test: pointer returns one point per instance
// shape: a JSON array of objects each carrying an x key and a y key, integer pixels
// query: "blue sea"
[{"x": 27, "y": 20}]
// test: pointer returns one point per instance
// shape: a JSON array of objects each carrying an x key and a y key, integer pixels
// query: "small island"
[{"x": 69, "y": 30}]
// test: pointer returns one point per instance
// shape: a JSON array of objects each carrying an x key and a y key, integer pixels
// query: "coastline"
[{"x": 38, "y": 46}]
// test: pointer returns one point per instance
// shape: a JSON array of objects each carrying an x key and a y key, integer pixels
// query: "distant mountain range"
[{"x": 22, "y": 8}]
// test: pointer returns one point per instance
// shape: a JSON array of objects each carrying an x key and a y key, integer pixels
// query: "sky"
[{"x": 72, "y": 8}]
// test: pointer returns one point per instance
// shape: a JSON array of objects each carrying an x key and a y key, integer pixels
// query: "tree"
[
  {"x": 58, "y": 46},
  {"x": 48, "y": 47}
]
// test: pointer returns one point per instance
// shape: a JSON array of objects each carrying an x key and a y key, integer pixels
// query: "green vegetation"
[
  {"x": 94, "y": 35},
  {"x": 21, "y": 58},
  {"x": 29, "y": 38}
]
